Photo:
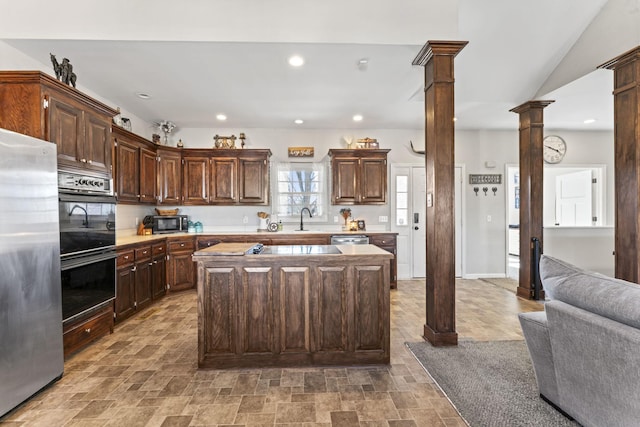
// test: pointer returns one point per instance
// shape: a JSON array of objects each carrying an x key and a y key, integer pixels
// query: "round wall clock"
[{"x": 553, "y": 149}]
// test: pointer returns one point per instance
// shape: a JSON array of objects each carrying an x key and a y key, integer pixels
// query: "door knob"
[{"x": 416, "y": 228}]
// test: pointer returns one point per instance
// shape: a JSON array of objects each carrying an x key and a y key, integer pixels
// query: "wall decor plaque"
[
  {"x": 485, "y": 179},
  {"x": 224, "y": 141},
  {"x": 300, "y": 151}
]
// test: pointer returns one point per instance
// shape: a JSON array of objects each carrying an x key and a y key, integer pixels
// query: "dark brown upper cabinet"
[
  {"x": 35, "y": 104},
  {"x": 136, "y": 166},
  {"x": 225, "y": 177},
  {"x": 359, "y": 177}
]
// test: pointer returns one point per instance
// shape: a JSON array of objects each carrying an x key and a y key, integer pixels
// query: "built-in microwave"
[{"x": 166, "y": 223}]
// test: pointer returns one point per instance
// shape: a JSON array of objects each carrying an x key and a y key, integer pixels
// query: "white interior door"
[
  {"x": 573, "y": 199},
  {"x": 400, "y": 213},
  {"x": 408, "y": 210},
  {"x": 418, "y": 221},
  {"x": 458, "y": 219}
]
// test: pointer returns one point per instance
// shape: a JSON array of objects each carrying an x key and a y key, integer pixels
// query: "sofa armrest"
[{"x": 536, "y": 334}]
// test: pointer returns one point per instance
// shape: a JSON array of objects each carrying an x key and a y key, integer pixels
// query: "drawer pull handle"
[
  {"x": 126, "y": 257},
  {"x": 88, "y": 330}
]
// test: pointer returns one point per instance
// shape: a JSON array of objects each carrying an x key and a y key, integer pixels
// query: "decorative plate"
[{"x": 273, "y": 226}]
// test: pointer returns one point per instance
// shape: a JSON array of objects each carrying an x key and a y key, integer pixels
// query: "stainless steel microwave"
[{"x": 161, "y": 224}]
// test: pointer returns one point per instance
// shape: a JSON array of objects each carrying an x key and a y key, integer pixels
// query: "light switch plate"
[{"x": 383, "y": 218}]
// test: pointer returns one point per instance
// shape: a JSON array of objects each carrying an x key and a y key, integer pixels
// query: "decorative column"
[
  {"x": 437, "y": 59},
  {"x": 626, "y": 119},
  {"x": 531, "y": 190}
]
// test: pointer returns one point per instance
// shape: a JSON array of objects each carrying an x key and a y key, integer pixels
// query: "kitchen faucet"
[
  {"x": 86, "y": 215},
  {"x": 301, "y": 212}
]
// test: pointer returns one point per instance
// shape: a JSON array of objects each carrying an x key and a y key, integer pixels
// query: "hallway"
[{"x": 145, "y": 374}]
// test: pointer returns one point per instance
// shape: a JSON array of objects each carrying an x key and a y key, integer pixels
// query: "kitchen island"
[{"x": 292, "y": 305}]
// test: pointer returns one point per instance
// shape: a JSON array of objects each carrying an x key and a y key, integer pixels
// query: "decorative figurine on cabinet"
[{"x": 64, "y": 72}]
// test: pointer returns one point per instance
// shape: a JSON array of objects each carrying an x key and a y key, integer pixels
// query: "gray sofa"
[{"x": 585, "y": 345}]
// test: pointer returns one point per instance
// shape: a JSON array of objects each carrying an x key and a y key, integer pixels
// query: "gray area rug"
[{"x": 490, "y": 383}]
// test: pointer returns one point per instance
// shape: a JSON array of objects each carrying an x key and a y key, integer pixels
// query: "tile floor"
[{"x": 145, "y": 374}]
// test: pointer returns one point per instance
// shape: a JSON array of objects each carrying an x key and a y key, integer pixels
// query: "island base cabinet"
[{"x": 287, "y": 314}]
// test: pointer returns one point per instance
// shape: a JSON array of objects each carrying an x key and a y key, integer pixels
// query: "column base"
[{"x": 440, "y": 339}]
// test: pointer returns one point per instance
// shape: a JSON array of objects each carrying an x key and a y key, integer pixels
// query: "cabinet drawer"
[
  {"x": 125, "y": 257},
  {"x": 143, "y": 253},
  {"x": 159, "y": 249},
  {"x": 181, "y": 245},
  {"x": 78, "y": 334},
  {"x": 382, "y": 240}
]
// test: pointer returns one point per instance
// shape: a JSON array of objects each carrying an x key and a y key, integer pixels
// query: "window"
[
  {"x": 300, "y": 185},
  {"x": 402, "y": 197}
]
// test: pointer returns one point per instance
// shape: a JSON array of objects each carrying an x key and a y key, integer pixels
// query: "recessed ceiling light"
[
  {"x": 142, "y": 95},
  {"x": 221, "y": 117},
  {"x": 363, "y": 61},
  {"x": 357, "y": 118},
  {"x": 588, "y": 121},
  {"x": 296, "y": 61},
  {"x": 298, "y": 121}
]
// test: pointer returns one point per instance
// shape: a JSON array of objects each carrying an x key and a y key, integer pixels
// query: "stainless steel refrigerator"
[{"x": 31, "y": 353}]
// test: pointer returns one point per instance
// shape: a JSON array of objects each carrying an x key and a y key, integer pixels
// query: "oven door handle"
[
  {"x": 80, "y": 261},
  {"x": 78, "y": 197}
]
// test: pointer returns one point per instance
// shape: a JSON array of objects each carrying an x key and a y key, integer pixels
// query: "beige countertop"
[
  {"x": 128, "y": 237},
  {"x": 239, "y": 249}
]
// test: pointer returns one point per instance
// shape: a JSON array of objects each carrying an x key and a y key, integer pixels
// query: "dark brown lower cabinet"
[
  {"x": 83, "y": 331},
  {"x": 388, "y": 242},
  {"x": 140, "y": 278},
  {"x": 292, "y": 310},
  {"x": 159, "y": 270},
  {"x": 181, "y": 268}
]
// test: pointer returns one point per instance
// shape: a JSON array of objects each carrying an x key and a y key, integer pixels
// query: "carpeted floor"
[{"x": 490, "y": 383}]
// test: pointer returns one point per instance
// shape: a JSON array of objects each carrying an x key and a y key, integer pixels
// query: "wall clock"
[{"x": 553, "y": 149}]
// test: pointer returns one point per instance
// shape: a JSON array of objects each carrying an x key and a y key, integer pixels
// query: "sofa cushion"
[{"x": 614, "y": 299}]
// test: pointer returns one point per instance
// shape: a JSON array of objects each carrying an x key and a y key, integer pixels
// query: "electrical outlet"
[
  {"x": 488, "y": 218},
  {"x": 335, "y": 218},
  {"x": 383, "y": 218},
  {"x": 245, "y": 219}
]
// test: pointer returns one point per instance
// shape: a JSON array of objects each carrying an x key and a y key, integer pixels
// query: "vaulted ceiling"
[{"x": 199, "y": 58}]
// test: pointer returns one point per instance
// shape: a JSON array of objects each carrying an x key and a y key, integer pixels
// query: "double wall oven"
[{"x": 87, "y": 215}]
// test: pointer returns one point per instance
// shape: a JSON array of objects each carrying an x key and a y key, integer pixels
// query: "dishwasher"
[{"x": 350, "y": 239}]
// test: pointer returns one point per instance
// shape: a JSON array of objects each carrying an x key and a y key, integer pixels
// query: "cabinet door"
[
  {"x": 331, "y": 304},
  {"x": 373, "y": 181},
  {"x": 97, "y": 143},
  {"x": 65, "y": 129},
  {"x": 344, "y": 180},
  {"x": 217, "y": 310},
  {"x": 148, "y": 177},
  {"x": 143, "y": 284},
  {"x": 195, "y": 180},
  {"x": 125, "y": 292},
  {"x": 388, "y": 242},
  {"x": 371, "y": 305},
  {"x": 127, "y": 171},
  {"x": 181, "y": 271},
  {"x": 253, "y": 181},
  {"x": 169, "y": 178},
  {"x": 159, "y": 277},
  {"x": 224, "y": 178}
]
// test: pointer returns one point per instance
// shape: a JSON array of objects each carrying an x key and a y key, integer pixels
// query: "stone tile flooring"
[{"x": 145, "y": 374}]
